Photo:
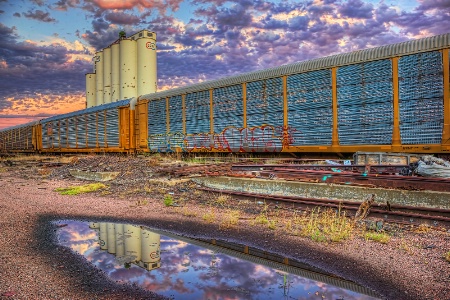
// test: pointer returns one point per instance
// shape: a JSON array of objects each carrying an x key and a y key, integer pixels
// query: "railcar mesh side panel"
[
  {"x": 228, "y": 113},
  {"x": 365, "y": 103},
  {"x": 176, "y": 114},
  {"x": 101, "y": 129},
  {"x": 55, "y": 135},
  {"x": 421, "y": 87},
  {"x": 112, "y": 127},
  {"x": 197, "y": 112},
  {"x": 46, "y": 135},
  {"x": 157, "y": 128},
  {"x": 264, "y": 131},
  {"x": 92, "y": 130},
  {"x": 265, "y": 102},
  {"x": 81, "y": 131},
  {"x": 310, "y": 108},
  {"x": 63, "y": 133},
  {"x": 17, "y": 139},
  {"x": 72, "y": 134}
]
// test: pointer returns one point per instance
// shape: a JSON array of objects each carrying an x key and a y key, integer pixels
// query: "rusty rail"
[{"x": 402, "y": 214}]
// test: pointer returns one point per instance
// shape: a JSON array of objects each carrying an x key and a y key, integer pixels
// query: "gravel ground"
[{"x": 33, "y": 266}]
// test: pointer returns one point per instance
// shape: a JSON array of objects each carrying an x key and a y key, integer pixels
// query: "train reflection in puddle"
[{"x": 180, "y": 269}]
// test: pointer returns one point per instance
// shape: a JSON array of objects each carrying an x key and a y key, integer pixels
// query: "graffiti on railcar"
[
  {"x": 200, "y": 141},
  {"x": 265, "y": 138},
  {"x": 169, "y": 142}
]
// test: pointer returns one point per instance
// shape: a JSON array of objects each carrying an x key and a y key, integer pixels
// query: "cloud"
[
  {"x": 40, "y": 16},
  {"x": 122, "y": 18},
  {"x": 356, "y": 9},
  {"x": 161, "y": 5},
  {"x": 40, "y": 75},
  {"x": 64, "y": 5}
]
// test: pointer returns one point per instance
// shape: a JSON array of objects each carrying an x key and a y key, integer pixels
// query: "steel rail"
[{"x": 398, "y": 213}]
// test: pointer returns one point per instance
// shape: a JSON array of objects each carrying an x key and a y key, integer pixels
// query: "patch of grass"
[
  {"x": 327, "y": 225},
  {"x": 2, "y": 170},
  {"x": 222, "y": 200},
  {"x": 231, "y": 218},
  {"x": 447, "y": 256},
  {"x": 272, "y": 224},
  {"x": 210, "y": 216},
  {"x": 168, "y": 200},
  {"x": 379, "y": 237},
  {"x": 187, "y": 212},
  {"x": 423, "y": 228},
  {"x": 261, "y": 219},
  {"x": 75, "y": 190}
]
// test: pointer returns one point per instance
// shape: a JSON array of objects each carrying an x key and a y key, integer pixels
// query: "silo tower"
[{"x": 123, "y": 70}]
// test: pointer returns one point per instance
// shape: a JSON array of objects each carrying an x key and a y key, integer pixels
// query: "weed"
[
  {"x": 2, "y": 170},
  {"x": 318, "y": 236},
  {"x": 377, "y": 237},
  {"x": 447, "y": 256},
  {"x": 332, "y": 225},
  {"x": 149, "y": 189},
  {"x": 423, "y": 228},
  {"x": 75, "y": 190},
  {"x": 168, "y": 200},
  {"x": 261, "y": 219},
  {"x": 188, "y": 213},
  {"x": 222, "y": 199},
  {"x": 210, "y": 216},
  {"x": 231, "y": 218},
  {"x": 407, "y": 248},
  {"x": 272, "y": 224},
  {"x": 141, "y": 202}
]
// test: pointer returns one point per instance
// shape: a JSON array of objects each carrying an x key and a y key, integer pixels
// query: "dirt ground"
[{"x": 411, "y": 265}]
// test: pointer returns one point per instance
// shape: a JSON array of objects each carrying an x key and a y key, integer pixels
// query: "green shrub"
[{"x": 168, "y": 200}]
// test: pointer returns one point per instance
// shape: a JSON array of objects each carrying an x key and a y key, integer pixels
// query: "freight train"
[{"x": 393, "y": 98}]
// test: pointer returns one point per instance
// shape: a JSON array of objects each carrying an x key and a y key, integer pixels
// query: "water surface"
[{"x": 181, "y": 270}]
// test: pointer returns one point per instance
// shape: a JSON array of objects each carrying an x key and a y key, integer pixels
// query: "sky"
[{"x": 47, "y": 45}]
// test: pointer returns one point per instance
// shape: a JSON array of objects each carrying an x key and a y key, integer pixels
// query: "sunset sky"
[{"x": 47, "y": 46}]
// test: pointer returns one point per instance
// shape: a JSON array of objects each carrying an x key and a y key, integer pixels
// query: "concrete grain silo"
[
  {"x": 115, "y": 73},
  {"x": 132, "y": 235},
  {"x": 111, "y": 237},
  {"x": 107, "y": 75},
  {"x": 127, "y": 61},
  {"x": 150, "y": 246},
  {"x": 123, "y": 70},
  {"x": 103, "y": 236},
  {"x": 99, "y": 77},
  {"x": 146, "y": 62},
  {"x": 120, "y": 241},
  {"x": 90, "y": 90}
]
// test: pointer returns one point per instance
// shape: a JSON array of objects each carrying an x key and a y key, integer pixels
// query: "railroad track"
[
  {"x": 401, "y": 214},
  {"x": 375, "y": 176}
]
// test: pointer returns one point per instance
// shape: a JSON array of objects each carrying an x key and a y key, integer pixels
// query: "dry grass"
[
  {"x": 230, "y": 219},
  {"x": 423, "y": 228},
  {"x": 447, "y": 256},
  {"x": 326, "y": 226},
  {"x": 379, "y": 237},
  {"x": 404, "y": 246},
  {"x": 75, "y": 190},
  {"x": 222, "y": 199},
  {"x": 210, "y": 216}
]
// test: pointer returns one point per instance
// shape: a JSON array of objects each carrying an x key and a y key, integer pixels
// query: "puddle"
[{"x": 180, "y": 268}]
